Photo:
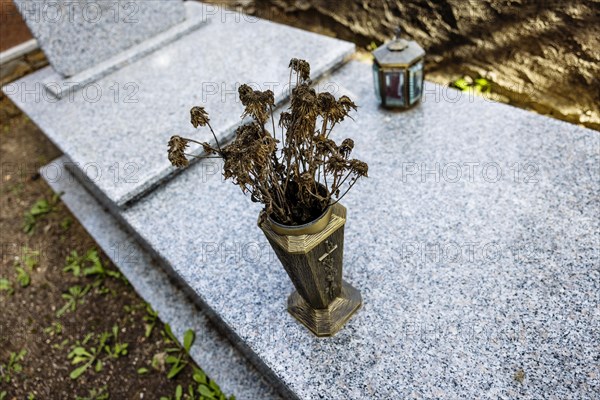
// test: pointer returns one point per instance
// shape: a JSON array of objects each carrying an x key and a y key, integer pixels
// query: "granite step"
[
  {"x": 114, "y": 130},
  {"x": 474, "y": 242},
  {"x": 211, "y": 350}
]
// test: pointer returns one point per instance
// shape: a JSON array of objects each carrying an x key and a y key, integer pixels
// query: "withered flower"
[
  {"x": 304, "y": 101},
  {"x": 360, "y": 168},
  {"x": 177, "y": 146},
  {"x": 301, "y": 67},
  {"x": 346, "y": 147},
  {"x": 347, "y": 104},
  {"x": 326, "y": 103},
  {"x": 199, "y": 116},
  {"x": 285, "y": 120},
  {"x": 257, "y": 103}
]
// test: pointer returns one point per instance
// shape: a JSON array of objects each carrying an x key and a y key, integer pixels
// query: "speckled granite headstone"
[{"x": 78, "y": 34}]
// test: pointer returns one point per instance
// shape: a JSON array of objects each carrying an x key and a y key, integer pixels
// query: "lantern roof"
[{"x": 398, "y": 53}]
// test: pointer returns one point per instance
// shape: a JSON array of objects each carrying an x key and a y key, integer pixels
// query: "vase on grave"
[{"x": 312, "y": 255}]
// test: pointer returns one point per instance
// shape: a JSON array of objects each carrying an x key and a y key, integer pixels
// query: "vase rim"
[{"x": 312, "y": 227}]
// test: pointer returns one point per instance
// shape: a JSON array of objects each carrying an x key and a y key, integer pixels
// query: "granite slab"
[
  {"x": 77, "y": 35},
  {"x": 211, "y": 350},
  {"x": 115, "y": 131},
  {"x": 474, "y": 243},
  {"x": 56, "y": 83}
]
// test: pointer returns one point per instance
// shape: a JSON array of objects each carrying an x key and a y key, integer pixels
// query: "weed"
[
  {"x": 66, "y": 223},
  {"x": 96, "y": 394},
  {"x": 13, "y": 366},
  {"x": 106, "y": 343},
  {"x": 29, "y": 259},
  {"x": 177, "y": 356},
  {"x": 54, "y": 329},
  {"x": 150, "y": 320},
  {"x": 23, "y": 277},
  {"x": 74, "y": 297},
  {"x": 478, "y": 86},
  {"x": 90, "y": 264},
  {"x": 39, "y": 209},
  {"x": 207, "y": 388},
  {"x": 204, "y": 388},
  {"x": 118, "y": 349},
  {"x": 6, "y": 286},
  {"x": 60, "y": 345},
  {"x": 87, "y": 356}
]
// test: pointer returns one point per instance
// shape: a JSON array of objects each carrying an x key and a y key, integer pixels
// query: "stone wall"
[{"x": 539, "y": 54}]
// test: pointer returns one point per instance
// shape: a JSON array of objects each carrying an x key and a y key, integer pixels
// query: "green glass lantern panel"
[
  {"x": 415, "y": 88},
  {"x": 376, "y": 82}
]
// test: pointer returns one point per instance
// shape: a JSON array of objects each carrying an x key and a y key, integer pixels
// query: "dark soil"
[{"x": 29, "y": 314}]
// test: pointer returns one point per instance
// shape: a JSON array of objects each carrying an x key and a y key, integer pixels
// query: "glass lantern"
[{"x": 398, "y": 73}]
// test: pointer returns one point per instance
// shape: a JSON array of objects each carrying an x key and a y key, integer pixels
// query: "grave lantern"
[{"x": 398, "y": 72}]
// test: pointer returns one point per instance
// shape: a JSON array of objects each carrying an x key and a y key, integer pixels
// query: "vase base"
[{"x": 326, "y": 321}]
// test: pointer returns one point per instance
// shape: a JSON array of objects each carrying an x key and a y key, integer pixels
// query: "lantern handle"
[{"x": 398, "y": 32}]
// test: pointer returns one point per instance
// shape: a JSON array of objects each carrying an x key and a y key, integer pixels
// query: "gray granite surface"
[
  {"x": 116, "y": 129},
  {"x": 77, "y": 35},
  {"x": 474, "y": 243},
  {"x": 56, "y": 83},
  {"x": 211, "y": 350}
]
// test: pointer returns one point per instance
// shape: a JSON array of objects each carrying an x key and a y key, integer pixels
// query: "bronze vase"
[{"x": 312, "y": 256}]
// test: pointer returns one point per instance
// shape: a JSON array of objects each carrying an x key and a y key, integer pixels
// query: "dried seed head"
[
  {"x": 256, "y": 102},
  {"x": 304, "y": 102},
  {"x": 177, "y": 146},
  {"x": 346, "y": 147},
  {"x": 285, "y": 120},
  {"x": 301, "y": 67},
  {"x": 326, "y": 102},
  {"x": 360, "y": 168},
  {"x": 347, "y": 104},
  {"x": 199, "y": 116}
]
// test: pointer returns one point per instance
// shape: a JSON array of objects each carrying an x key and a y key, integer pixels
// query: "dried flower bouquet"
[{"x": 296, "y": 174}]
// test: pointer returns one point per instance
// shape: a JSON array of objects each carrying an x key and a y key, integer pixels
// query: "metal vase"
[{"x": 312, "y": 256}]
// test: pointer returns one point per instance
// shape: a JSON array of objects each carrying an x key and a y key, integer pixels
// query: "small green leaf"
[
  {"x": 205, "y": 391},
  {"x": 188, "y": 340},
  {"x": 6, "y": 285},
  {"x": 173, "y": 359},
  {"x": 199, "y": 376},
  {"x": 178, "y": 392},
  {"x": 142, "y": 371},
  {"x": 77, "y": 372},
  {"x": 79, "y": 351},
  {"x": 176, "y": 369},
  {"x": 169, "y": 333},
  {"x": 23, "y": 277},
  {"x": 213, "y": 385}
]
